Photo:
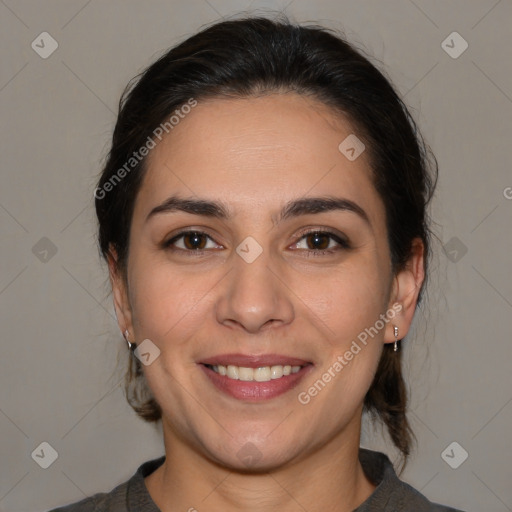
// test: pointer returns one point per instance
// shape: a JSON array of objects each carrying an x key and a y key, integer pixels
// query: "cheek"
[
  {"x": 347, "y": 300},
  {"x": 168, "y": 304},
  {"x": 349, "y": 304},
  {"x": 351, "y": 307}
]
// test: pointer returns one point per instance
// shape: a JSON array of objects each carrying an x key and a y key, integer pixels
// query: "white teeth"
[
  {"x": 245, "y": 373},
  {"x": 262, "y": 374},
  {"x": 276, "y": 372},
  {"x": 232, "y": 372}
]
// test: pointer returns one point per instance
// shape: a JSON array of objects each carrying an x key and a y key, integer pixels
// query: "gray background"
[{"x": 62, "y": 357}]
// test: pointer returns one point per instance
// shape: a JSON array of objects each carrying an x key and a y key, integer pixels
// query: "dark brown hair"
[{"x": 252, "y": 56}]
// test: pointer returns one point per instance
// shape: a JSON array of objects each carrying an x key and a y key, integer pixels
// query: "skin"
[{"x": 255, "y": 155}]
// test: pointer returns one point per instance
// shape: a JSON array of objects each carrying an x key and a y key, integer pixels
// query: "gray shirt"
[{"x": 390, "y": 495}]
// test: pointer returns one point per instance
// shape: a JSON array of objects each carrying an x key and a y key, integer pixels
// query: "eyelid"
[
  {"x": 338, "y": 237},
  {"x": 172, "y": 239},
  {"x": 319, "y": 229}
]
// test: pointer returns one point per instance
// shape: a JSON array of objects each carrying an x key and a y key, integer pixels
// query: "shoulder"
[
  {"x": 114, "y": 501},
  {"x": 130, "y": 495},
  {"x": 392, "y": 494},
  {"x": 409, "y": 499}
]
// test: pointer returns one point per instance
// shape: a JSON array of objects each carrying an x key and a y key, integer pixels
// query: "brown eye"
[
  {"x": 318, "y": 241},
  {"x": 321, "y": 242},
  {"x": 194, "y": 240},
  {"x": 191, "y": 241}
]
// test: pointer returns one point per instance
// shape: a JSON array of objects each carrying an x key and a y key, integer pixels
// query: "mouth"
[
  {"x": 255, "y": 378},
  {"x": 261, "y": 374}
]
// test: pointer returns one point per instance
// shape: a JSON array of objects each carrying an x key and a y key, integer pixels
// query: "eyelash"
[{"x": 342, "y": 243}]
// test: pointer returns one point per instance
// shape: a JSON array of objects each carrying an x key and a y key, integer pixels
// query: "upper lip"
[{"x": 254, "y": 361}]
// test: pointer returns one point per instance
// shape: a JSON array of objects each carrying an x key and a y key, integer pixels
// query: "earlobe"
[
  {"x": 119, "y": 292},
  {"x": 406, "y": 288}
]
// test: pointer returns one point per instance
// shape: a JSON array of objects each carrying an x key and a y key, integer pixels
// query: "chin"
[
  {"x": 254, "y": 456},
  {"x": 251, "y": 459}
]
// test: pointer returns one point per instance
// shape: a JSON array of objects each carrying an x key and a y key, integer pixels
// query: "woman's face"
[{"x": 270, "y": 277}]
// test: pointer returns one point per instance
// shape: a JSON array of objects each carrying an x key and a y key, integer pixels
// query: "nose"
[{"x": 254, "y": 295}]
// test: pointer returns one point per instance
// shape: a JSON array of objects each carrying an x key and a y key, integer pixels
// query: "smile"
[
  {"x": 255, "y": 378},
  {"x": 262, "y": 374}
]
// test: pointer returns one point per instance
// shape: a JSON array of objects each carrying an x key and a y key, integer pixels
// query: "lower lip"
[{"x": 253, "y": 391}]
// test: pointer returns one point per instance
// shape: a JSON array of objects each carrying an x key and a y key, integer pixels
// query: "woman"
[{"x": 263, "y": 215}]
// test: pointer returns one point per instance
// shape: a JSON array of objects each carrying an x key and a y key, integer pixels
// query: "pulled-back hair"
[{"x": 254, "y": 56}]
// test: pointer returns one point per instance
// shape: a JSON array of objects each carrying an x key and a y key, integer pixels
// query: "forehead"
[{"x": 258, "y": 151}]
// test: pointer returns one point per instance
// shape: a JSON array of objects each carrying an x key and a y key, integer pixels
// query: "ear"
[
  {"x": 120, "y": 293},
  {"x": 405, "y": 291}
]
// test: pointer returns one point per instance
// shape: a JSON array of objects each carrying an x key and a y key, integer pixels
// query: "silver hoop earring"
[
  {"x": 395, "y": 331},
  {"x": 131, "y": 346}
]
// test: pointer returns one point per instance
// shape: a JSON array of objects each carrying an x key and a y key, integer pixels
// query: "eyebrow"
[{"x": 292, "y": 209}]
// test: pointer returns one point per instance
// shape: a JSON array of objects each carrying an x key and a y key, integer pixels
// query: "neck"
[{"x": 331, "y": 478}]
